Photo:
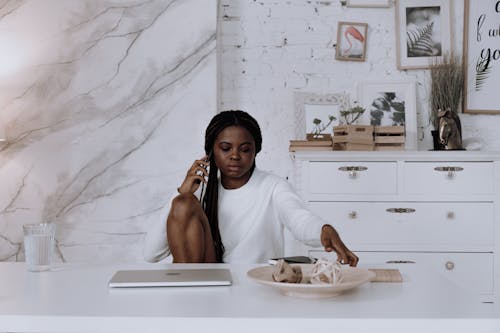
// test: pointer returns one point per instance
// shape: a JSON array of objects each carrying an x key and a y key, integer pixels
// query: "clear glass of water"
[{"x": 39, "y": 245}]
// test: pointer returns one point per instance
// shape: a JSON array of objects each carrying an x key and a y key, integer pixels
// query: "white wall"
[{"x": 272, "y": 48}]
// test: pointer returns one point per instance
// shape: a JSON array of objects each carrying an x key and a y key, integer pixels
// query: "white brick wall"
[{"x": 271, "y": 48}]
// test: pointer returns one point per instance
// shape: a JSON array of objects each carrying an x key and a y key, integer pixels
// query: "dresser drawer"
[
  {"x": 472, "y": 271},
  {"x": 412, "y": 226},
  {"x": 352, "y": 178},
  {"x": 449, "y": 177}
]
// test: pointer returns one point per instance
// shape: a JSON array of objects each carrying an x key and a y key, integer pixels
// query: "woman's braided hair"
[{"x": 210, "y": 200}]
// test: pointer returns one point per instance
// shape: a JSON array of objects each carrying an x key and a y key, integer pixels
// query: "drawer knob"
[
  {"x": 353, "y": 214},
  {"x": 450, "y": 215},
  {"x": 400, "y": 210},
  {"x": 449, "y": 265}
]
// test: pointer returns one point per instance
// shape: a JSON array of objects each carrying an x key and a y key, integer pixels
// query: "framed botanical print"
[
  {"x": 351, "y": 41},
  {"x": 422, "y": 32},
  {"x": 390, "y": 103}
]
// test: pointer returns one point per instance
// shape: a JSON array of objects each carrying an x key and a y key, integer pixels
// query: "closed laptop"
[{"x": 171, "y": 278}]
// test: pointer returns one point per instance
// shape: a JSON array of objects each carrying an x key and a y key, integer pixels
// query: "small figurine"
[{"x": 450, "y": 130}]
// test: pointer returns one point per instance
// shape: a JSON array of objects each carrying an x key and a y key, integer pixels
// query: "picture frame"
[
  {"x": 310, "y": 106},
  {"x": 351, "y": 41},
  {"x": 481, "y": 55},
  {"x": 368, "y": 3},
  {"x": 423, "y": 32},
  {"x": 390, "y": 103}
]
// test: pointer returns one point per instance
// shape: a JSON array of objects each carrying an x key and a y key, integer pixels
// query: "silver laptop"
[{"x": 171, "y": 278}]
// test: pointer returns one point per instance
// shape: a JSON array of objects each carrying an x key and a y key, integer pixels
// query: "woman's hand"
[
  {"x": 195, "y": 175},
  {"x": 332, "y": 242}
]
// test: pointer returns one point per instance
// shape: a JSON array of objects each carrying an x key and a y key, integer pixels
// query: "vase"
[{"x": 437, "y": 145}]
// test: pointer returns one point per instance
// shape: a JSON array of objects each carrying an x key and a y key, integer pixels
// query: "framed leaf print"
[
  {"x": 422, "y": 32},
  {"x": 391, "y": 103}
]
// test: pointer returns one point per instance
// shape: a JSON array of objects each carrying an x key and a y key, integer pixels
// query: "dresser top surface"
[{"x": 397, "y": 155}]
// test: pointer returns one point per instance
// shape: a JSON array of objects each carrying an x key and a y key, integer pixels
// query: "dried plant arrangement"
[{"x": 447, "y": 82}]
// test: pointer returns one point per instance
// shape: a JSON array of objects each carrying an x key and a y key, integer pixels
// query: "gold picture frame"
[{"x": 351, "y": 41}]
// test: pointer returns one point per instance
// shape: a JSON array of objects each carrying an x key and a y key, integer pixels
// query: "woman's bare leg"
[{"x": 188, "y": 231}]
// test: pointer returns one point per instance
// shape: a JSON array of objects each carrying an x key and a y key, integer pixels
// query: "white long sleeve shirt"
[{"x": 251, "y": 221}]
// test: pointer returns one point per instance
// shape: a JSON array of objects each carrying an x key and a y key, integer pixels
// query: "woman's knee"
[{"x": 184, "y": 207}]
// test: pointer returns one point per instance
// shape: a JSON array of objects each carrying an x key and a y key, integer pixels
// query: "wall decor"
[
  {"x": 390, "y": 103},
  {"x": 368, "y": 3},
  {"x": 351, "y": 41},
  {"x": 482, "y": 56},
  {"x": 423, "y": 33},
  {"x": 318, "y": 113}
]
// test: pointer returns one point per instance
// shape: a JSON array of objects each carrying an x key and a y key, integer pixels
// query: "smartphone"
[
  {"x": 294, "y": 260},
  {"x": 209, "y": 155}
]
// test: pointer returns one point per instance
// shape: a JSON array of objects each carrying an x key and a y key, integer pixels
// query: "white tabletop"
[{"x": 76, "y": 298}]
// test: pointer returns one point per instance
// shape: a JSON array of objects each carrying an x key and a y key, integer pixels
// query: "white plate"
[{"x": 352, "y": 277}]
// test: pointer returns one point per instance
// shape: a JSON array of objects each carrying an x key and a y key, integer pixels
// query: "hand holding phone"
[{"x": 196, "y": 175}]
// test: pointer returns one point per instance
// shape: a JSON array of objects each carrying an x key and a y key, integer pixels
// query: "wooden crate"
[
  {"x": 389, "y": 137},
  {"x": 300, "y": 145},
  {"x": 353, "y": 137}
]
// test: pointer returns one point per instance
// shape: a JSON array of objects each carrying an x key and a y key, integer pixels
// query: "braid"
[{"x": 210, "y": 200}]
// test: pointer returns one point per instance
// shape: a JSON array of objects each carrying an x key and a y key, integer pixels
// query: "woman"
[{"x": 242, "y": 213}]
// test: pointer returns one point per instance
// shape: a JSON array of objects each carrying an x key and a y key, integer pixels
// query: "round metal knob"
[
  {"x": 449, "y": 265},
  {"x": 450, "y": 215},
  {"x": 353, "y": 214}
]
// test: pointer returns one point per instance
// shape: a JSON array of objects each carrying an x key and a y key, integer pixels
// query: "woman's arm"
[
  {"x": 308, "y": 227},
  {"x": 155, "y": 243}
]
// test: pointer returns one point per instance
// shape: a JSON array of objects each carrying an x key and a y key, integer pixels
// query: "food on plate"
[
  {"x": 284, "y": 272},
  {"x": 322, "y": 272}
]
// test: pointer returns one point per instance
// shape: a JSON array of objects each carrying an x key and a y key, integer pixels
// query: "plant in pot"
[
  {"x": 447, "y": 80},
  {"x": 351, "y": 115}
]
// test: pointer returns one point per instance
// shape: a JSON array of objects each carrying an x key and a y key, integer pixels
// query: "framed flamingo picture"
[
  {"x": 423, "y": 32},
  {"x": 351, "y": 41}
]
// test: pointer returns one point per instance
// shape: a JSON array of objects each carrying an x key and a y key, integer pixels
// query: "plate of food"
[{"x": 319, "y": 280}]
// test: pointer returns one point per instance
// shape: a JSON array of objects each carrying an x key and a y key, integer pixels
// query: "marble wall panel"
[{"x": 104, "y": 106}]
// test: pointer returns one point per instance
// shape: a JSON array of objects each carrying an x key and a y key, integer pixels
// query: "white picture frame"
[
  {"x": 368, "y": 3},
  {"x": 481, "y": 57},
  {"x": 310, "y": 105},
  {"x": 423, "y": 32},
  {"x": 384, "y": 100}
]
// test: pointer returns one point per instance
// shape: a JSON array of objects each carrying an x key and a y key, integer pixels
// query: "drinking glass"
[{"x": 39, "y": 245}]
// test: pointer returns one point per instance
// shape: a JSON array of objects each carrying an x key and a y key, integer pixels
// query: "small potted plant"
[
  {"x": 447, "y": 81},
  {"x": 318, "y": 129},
  {"x": 351, "y": 115}
]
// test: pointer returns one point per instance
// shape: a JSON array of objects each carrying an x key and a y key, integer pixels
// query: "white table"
[{"x": 76, "y": 298}]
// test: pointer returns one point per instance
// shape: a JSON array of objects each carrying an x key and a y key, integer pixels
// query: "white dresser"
[{"x": 438, "y": 208}]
